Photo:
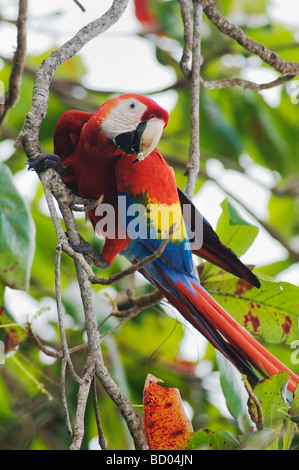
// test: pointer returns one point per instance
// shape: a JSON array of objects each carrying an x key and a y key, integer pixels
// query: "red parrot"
[{"x": 112, "y": 153}]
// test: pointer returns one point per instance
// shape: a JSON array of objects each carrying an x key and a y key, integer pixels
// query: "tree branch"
[
  {"x": 192, "y": 41},
  {"x": 79, "y": 5},
  {"x": 187, "y": 22},
  {"x": 139, "y": 304},
  {"x": 102, "y": 440},
  {"x": 30, "y": 131},
  {"x": 259, "y": 420},
  {"x": 192, "y": 167},
  {"x": 229, "y": 82},
  {"x": 65, "y": 349},
  {"x": 64, "y": 398},
  {"x": 229, "y": 29},
  {"x": 293, "y": 254},
  {"x": 29, "y": 138},
  {"x": 18, "y": 62},
  {"x": 83, "y": 393}
]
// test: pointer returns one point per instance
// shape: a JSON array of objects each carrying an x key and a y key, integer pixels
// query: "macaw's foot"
[
  {"x": 46, "y": 161},
  {"x": 90, "y": 254}
]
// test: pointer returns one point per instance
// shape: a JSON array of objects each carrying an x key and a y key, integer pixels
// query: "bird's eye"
[
  {"x": 132, "y": 105},
  {"x": 152, "y": 116}
]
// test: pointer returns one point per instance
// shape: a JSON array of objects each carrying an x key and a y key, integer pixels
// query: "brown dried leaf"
[{"x": 164, "y": 420}]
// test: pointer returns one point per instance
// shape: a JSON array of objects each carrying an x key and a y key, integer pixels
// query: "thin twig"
[
  {"x": 292, "y": 190},
  {"x": 80, "y": 204},
  {"x": 64, "y": 345},
  {"x": 94, "y": 351},
  {"x": 187, "y": 22},
  {"x": 146, "y": 300},
  {"x": 29, "y": 138},
  {"x": 294, "y": 254},
  {"x": 39, "y": 344},
  {"x": 259, "y": 421},
  {"x": 83, "y": 393},
  {"x": 246, "y": 84},
  {"x": 64, "y": 398},
  {"x": 40, "y": 372},
  {"x": 18, "y": 62},
  {"x": 139, "y": 304},
  {"x": 126, "y": 316},
  {"x": 192, "y": 167},
  {"x": 133, "y": 268},
  {"x": 80, "y": 5},
  {"x": 64, "y": 88},
  {"x": 29, "y": 133},
  {"x": 233, "y": 31},
  {"x": 93, "y": 278},
  {"x": 41, "y": 387},
  {"x": 102, "y": 440}
]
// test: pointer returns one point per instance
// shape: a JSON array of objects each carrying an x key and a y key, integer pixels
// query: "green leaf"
[
  {"x": 234, "y": 231},
  {"x": 204, "y": 439},
  {"x": 16, "y": 234},
  {"x": 270, "y": 312},
  {"x": 6, "y": 410},
  {"x": 152, "y": 334},
  {"x": 250, "y": 8},
  {"x": 269, "y": 394},
  {"x": 275, "y": 36},
  {"x": 281, "y": 215},
  {"x": 168, "y": 17},
  {"x": 273, "y": 269},
  {"x": 276, "y": 415},
  {"x": 259, "y": 440},
  {"x": 214, "y": 122},
  {"x": 234, "y": 392}
]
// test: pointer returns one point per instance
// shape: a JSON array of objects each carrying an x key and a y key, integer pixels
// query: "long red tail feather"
[{"x": 236, "y": 343}]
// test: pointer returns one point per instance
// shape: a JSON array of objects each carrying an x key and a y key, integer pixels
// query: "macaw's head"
[{"x": 134, "y": 123}]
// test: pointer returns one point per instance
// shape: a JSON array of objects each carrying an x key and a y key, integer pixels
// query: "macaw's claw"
[
  {"x": 48, "y": 160},
  {"x": 90, "y": 254}
]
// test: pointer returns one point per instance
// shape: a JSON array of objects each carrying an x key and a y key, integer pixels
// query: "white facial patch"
[{"x": 125, "y": 117}]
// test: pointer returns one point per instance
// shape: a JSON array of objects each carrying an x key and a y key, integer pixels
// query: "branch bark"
[
  {"x": 30, "y": 131},
  {"x": 192, "y": 167},
  {"x": 29, "y": 138},
  {"x": 192, "y": 43},
  {"x": 187, "y": 22},
  {"x": 287, "y": 68},
  {"x": 246, "y": 84},
  {"x": 233, "y": 31}
]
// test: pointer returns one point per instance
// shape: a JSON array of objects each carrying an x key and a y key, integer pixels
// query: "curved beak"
[
  {"x": 142, "y": 140},
  {"x": 130, "y": 142}
]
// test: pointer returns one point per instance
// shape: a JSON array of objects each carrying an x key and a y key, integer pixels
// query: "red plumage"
[{"x": 96, "y": 167}]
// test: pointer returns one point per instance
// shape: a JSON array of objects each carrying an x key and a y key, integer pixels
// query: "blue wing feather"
[{"x": 177, "y": 253}]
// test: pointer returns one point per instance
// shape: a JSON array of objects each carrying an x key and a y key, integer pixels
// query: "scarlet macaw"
[{"x": 113, "y": 153}]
